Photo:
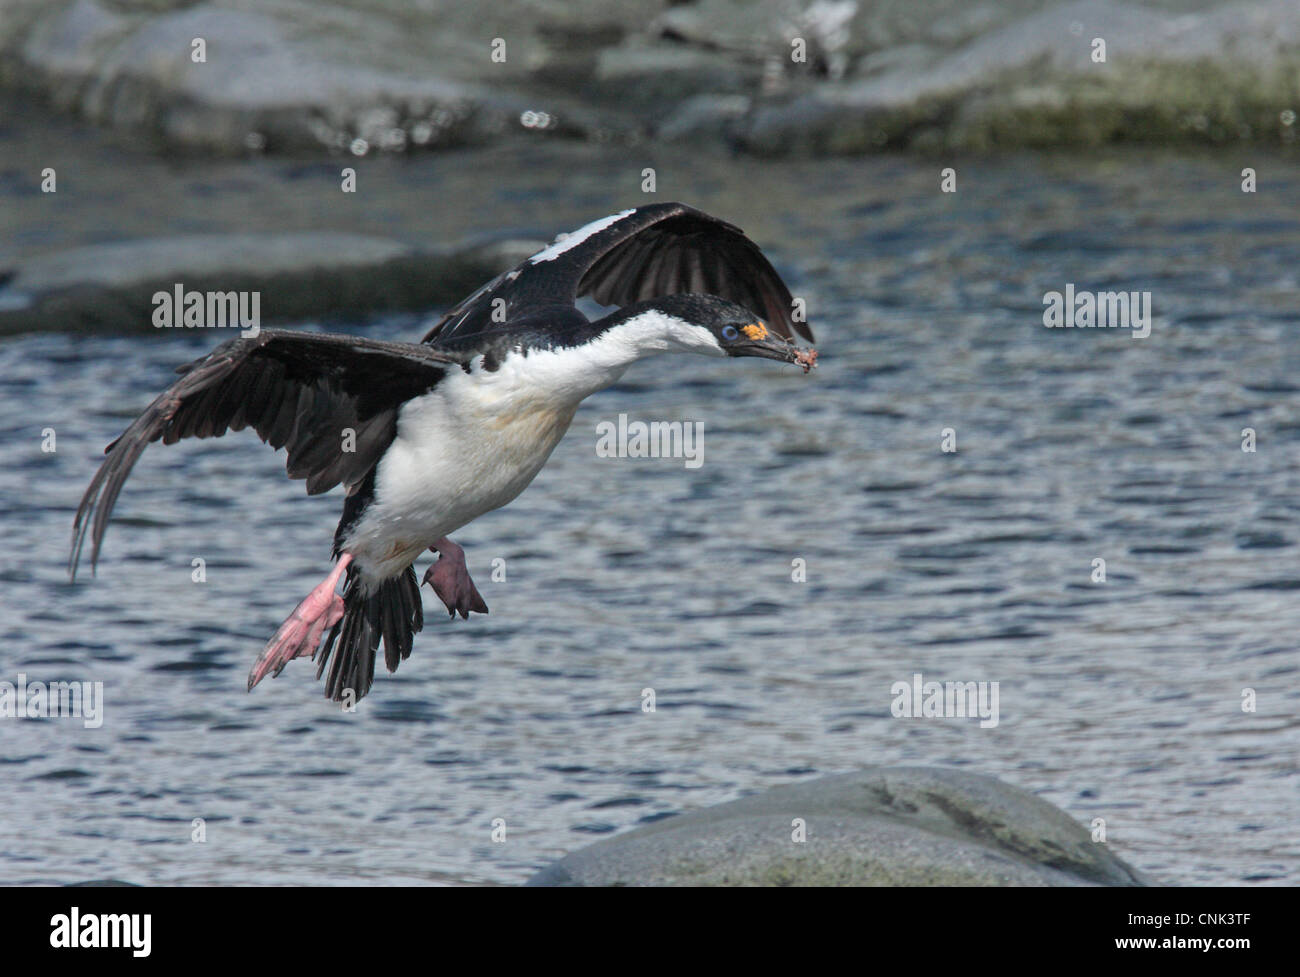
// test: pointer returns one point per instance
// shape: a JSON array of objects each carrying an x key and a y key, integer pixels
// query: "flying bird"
[{"x": 459, "y": 424}]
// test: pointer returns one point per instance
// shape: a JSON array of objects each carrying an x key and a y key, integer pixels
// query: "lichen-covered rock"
[
  {"x": 881, "y": 826},
  {"x": 1222, "y": 73}
]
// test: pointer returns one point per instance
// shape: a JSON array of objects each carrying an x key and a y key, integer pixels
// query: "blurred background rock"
[{"x": 402, "y": 75}]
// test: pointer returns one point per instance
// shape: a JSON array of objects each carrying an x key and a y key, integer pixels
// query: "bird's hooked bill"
[{"x": 760, "y": 341}]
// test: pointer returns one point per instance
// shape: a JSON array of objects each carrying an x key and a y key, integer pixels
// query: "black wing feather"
[
  {"x": 298, "y": 390},
  {"x": 659, "y": 249}
]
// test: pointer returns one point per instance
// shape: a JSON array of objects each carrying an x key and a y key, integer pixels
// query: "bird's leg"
[
  {"x": 302, "y": 630},
  {"x": 449, "y": 578}
]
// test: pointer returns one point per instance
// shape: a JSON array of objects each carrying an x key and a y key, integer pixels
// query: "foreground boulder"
[{"x": 879, "y": 826}]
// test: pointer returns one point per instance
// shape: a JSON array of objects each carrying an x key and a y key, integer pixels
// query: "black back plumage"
[{"x": 543, "y": 327}]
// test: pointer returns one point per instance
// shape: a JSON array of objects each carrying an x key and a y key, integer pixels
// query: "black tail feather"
[{"x": 393, "y": 613}]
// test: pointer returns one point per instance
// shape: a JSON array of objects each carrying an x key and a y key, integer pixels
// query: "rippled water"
[{"x": 1119, "y": 700}]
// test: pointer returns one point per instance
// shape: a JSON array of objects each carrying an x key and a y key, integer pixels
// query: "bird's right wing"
[
  {"x": 641, "y": 253},
  {"x": 303, "y": 391}
]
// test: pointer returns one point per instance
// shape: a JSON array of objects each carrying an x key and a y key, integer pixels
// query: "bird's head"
[{"x": 705, "y": 324}]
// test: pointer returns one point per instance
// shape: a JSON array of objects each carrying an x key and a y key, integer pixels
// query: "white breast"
[{"x": 469, "y": 446}]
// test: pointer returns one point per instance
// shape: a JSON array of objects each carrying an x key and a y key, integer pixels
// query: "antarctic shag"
[{"x": 457, "y": 425}]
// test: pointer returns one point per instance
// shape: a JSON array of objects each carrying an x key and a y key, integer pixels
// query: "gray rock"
[
  {"x": 706, "y": 118},
  {"x": 283, "y": 75},
  {"x": 881, "y": 826},
  {"x": 1218, "y": 74},
  {"x": 392, "y": 75},
  {"x": 109, "y": 288},
  {"x": 850, "y": 29},
  {"x": 658, "y": 78}
]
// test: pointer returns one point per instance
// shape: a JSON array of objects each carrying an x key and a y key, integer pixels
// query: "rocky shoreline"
[{"x": 772, "y": 78}]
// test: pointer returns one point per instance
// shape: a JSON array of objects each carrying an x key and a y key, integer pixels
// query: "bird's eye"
[{"x": 729, "y": 332}]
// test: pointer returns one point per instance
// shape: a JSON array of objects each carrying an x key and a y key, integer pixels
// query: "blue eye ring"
[{"x": 729, "y": 332}]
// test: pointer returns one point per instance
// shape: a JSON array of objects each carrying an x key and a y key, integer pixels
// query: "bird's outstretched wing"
[
  {"x": 297, "y": 390},
  {"x": 659, "y": 249}
]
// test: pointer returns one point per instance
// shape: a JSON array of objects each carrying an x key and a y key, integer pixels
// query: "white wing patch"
[{"x": 577, "y": 237}]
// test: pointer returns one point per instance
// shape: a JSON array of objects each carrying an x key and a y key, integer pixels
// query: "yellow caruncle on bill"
[{"x": 755, "y": 331}]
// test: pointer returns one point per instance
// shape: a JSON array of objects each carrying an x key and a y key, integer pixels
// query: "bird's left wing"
[
  {"x": 637, "y": 254},
  {"x": 296, "y": 390}
]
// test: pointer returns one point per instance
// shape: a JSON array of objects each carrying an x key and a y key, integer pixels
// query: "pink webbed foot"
[
  {"x": 301, "y": 632},
  {"x": 450, "y": 580}
]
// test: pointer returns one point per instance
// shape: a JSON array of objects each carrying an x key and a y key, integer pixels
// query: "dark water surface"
[{"x": 1119, "y": 700}]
